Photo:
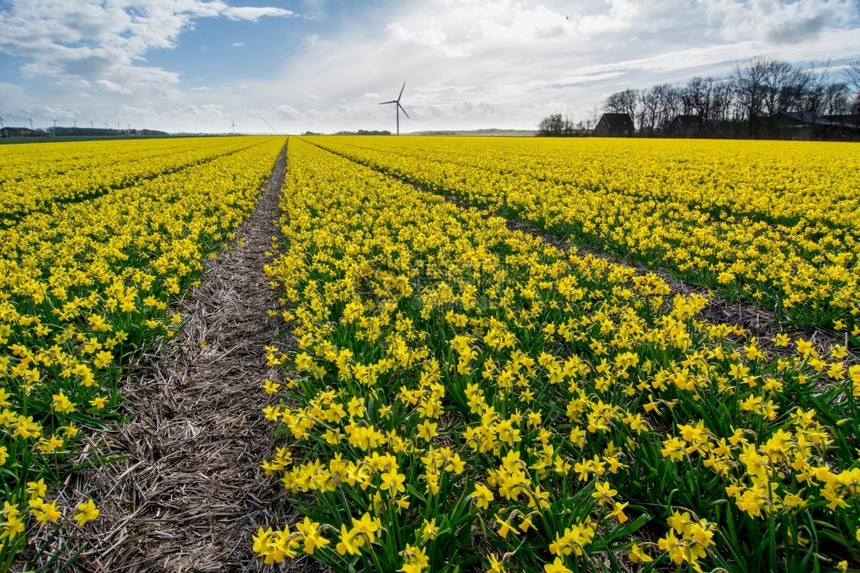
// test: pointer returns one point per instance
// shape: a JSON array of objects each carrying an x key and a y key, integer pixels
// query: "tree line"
[
  {"x": 748, "y": 103},
  {"x": 556, "y": 125}
]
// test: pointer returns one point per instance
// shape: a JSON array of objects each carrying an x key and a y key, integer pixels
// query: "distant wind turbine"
[
  {"x": 2, "y": 125},
  {"x": 233, "y": 126},
  {"x": 397, "y": 107},
  {"x": 31, "y": 122}
]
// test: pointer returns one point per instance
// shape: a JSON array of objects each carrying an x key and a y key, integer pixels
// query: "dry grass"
[{"x": 190, "y": 492}]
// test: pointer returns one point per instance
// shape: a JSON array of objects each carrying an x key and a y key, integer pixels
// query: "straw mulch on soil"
[{"x": 190, "y": 493}]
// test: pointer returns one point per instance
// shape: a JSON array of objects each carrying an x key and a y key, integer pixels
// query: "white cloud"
[
  {"x": 205, "y": 110},
  {"x": 431, "y": 37},
  {"x": 238, "y": 44},
  {"x": 106, "y": 41},
  {"x": 112, "y": 86},
  {"x": 253, "y": 14},
  {"x": 460, "y": 28},
  {"x": 777, "y": 22},
  {"x": 286, "y": 111}
]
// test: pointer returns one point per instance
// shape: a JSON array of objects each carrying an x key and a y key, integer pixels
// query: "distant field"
[{"x": 74, "y": 138}]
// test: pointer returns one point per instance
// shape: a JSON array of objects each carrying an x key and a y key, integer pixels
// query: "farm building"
[
  {"x": 21, "y": 132},
  {"x": 614, "y": 125},
  {"x": 806, "y": 125},
  {"x": 685, "y": 125}
]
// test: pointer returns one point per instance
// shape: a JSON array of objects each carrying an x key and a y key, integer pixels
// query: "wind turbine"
[
  {"x": 31, "y": 122},
  {"x": 397, "y": 107},
  {"x": 2, "y": 125},
  {"x": 233, "y": 126}
]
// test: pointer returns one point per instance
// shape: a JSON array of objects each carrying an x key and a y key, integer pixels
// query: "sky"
[{"x": 325, "y": 65}]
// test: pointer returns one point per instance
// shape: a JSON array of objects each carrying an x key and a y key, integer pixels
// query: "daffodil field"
[
  {"x": 43, "y": 177},
  {"x": 95, "y": 239},
  {"x": 454, "y": 395},
  {"x": 773, "y": 223},
  {"x": 463, "y": 397}
]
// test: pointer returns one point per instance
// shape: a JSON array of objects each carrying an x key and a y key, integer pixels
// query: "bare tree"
[
  {"x": 749, "y": 80},
  {"x": 852, "y": 75},
  {"x": 647, "y": 109},
  {"x": 670, "y": 103},
  {"x": 778, "y": 77},
  {"x": 793, "y": 91},
  {"x": 722, "y": 103},
  {"x": 711, "y": 99},
  {"x": 837, "y": 99},
  {"x": 697, "y": 98},
  {"x": 556, "y": 126},
  {"x": 814, "y": 95},
  {"x": 592, "y": 118},
  {"x": 622, "y": 102}
]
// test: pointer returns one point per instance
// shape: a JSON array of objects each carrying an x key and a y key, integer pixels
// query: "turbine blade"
[
  {"x": 403, "y": 109},
  {"x": 401, "y": 91},
  {"x": 385, "y": 102}
]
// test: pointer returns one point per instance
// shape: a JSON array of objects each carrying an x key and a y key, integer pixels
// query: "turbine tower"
[{"x": 397, "y": 107}]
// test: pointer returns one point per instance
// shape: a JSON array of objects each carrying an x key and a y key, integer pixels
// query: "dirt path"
[{"x": 191, "y": 493}]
